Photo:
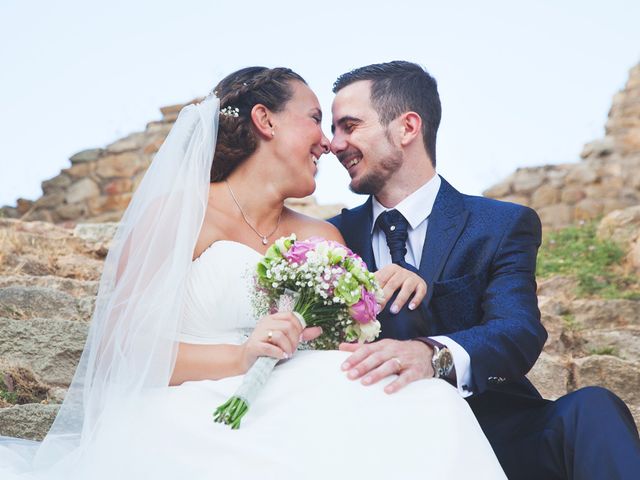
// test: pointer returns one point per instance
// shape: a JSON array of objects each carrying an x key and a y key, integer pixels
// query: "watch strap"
[{"x": 434, "y": 344}]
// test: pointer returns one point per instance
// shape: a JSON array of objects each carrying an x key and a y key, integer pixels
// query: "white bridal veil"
[{"x": 131, "y": 346}]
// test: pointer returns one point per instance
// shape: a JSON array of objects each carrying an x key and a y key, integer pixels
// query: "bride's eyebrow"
[{"x": 317, "y": 111}]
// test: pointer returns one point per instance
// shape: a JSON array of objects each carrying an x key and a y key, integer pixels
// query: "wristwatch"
[{"x": 441, "y": 361}]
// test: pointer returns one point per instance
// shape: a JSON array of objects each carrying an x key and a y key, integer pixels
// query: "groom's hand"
[{"x": 409, "y": 359}]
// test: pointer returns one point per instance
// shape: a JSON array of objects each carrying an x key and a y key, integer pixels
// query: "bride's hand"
[
  {"x": 276, "y": 336},
  {"x": 393, "y": 277}
]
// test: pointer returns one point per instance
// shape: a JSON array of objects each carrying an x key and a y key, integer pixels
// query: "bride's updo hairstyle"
[{"x": 239, "y": 92}]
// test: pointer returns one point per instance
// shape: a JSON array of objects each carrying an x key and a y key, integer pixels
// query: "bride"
[{"x": 173, "y": 330}]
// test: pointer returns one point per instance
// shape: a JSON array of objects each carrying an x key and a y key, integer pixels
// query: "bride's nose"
[{"x": 325, "y": 144}]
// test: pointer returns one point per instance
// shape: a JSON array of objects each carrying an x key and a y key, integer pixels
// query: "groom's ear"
[
  {"x": 410, "y": 128},
  {"x": 261, "y": 117}
]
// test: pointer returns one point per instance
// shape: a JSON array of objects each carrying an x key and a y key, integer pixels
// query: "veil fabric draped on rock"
[{"x": 131, "y": 345}]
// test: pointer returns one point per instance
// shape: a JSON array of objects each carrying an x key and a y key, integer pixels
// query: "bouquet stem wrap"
[{"x": 232, "y": 411}]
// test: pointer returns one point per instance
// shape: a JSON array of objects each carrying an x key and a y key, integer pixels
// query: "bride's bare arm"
[
  {"x": 206, "y": 362},
  {"x": 275, "y": 336}
]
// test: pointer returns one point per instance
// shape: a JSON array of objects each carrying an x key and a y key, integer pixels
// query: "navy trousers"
[{"x": 587, "y": 434}]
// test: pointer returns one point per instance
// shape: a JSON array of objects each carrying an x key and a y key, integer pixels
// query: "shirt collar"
[{"x": 416, "y": 207}]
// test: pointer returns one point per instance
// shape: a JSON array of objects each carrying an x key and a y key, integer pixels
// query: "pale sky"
[{"x": 521, "y": 83}]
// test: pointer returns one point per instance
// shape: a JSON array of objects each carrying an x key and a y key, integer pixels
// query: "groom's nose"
[{"x": 338, "y": 143}]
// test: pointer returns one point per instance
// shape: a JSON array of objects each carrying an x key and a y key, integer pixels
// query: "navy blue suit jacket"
[{"x": 479, "y": 262}]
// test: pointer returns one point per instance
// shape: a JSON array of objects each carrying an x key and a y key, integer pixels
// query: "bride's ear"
[{"x": 261, "y": 117}]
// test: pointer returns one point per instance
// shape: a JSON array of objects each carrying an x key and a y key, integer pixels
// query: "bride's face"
[{"x": 299, "y": 141}]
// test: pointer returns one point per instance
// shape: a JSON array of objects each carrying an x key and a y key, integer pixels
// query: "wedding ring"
[
  {"x": 397, "y": 360},
  {"x": 269, "y": 336}
]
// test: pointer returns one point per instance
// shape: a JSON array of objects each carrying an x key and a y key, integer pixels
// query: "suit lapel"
[
  {"x": 446, "y": 222},
  {"x": 357, "y": 225}
]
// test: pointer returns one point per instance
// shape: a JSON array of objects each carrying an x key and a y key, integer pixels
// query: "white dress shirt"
[{"x": 416, "y": 208}]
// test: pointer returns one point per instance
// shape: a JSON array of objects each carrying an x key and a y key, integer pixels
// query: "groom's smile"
[{"x": 349, "y": 159}]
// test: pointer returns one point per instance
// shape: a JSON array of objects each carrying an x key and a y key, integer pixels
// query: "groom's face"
[{"x": 362, "y": 144}]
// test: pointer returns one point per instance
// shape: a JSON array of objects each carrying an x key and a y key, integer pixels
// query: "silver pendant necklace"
[{"x": 265, "y": 238}]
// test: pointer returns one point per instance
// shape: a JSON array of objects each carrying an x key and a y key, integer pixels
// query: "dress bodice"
[{"x": 218, "y": 307}]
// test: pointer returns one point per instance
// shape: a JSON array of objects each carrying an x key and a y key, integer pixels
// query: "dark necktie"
[
  {"x": 405, "y": 324},
  {"x": 396, "y": 230}
]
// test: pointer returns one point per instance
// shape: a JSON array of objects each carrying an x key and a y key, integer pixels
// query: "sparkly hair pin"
[{"x": 230, "y": 112}]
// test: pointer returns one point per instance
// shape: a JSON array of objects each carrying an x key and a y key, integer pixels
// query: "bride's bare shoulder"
[{"x": 305, "y": 226}]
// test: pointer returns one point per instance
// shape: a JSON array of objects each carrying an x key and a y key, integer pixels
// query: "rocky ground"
[
  {"x": 49, "y": 276},
  {"x": 48, "y": 281}
]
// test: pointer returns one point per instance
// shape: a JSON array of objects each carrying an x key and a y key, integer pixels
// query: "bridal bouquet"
[{"x": 325, "y": 285}]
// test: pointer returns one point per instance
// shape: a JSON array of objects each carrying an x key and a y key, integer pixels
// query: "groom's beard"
[{"x": 374, "y": 180}]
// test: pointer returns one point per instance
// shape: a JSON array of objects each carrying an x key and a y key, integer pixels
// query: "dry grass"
[
  {"x": 19, "y": 386},
  {"x": 10, "y": 243},
  {"x": 37, "y": 248}
]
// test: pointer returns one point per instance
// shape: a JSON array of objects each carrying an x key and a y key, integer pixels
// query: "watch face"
[{"x": 444, "y": 362}]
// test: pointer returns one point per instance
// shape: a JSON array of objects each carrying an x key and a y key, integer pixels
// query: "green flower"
[
  {"x": 349, "y": 289},
  {"x": 283, "y": 244},
  {"x": 364, "y": 277},
  {"x": 274, "y": 254}
]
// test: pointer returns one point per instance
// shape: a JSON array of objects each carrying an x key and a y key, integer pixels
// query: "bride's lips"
[{"x": 314, "y": 161}]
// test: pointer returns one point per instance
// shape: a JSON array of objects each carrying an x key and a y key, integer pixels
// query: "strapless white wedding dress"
[{"x": 309, "y": 422}]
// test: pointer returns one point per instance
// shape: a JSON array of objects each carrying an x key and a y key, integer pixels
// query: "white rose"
[{"x": 369, "y": 331}]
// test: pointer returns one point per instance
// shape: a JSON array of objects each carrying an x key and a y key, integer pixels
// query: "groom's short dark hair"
[{"x": 399, "y": 87}]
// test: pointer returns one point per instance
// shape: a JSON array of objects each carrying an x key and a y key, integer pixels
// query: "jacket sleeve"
[{"x": 510, "y": 337}]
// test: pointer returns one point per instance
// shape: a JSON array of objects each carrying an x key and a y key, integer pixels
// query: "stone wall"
[
  {"x": 49, "y": 276},
  {"x": 48, "y": 283},
  {"x": 607, "y": 178},
  {"x": 99, "y": 183}
]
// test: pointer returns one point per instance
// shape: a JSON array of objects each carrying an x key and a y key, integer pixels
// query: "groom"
[{"x": 478, "y": 327}]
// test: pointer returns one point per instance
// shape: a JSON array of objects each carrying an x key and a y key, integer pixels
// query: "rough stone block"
[
  {"x": 545, "y": 195},
  {"x": 86, "y": 156},
  {"x": 51, "y": 348},
  {"x": 124, "y": 164},
  {"x": 588, "y": 209},
  {"x": 82, "y": 190},
  {"x": 56, "y": 184},
  {"x": 20, "y": 302},
  {"x": 556, "y": 215},
  {"x": 620, "y": 376},
  {"x": 550, "y": 376},
  {"x": 128, "y": 143},
  {"x": 606, "y": 314},
  {"x": 30, "y": 422}
]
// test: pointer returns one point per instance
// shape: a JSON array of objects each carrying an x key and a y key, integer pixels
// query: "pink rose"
[
  {"x": 354, "y": 256},
  {"x": 366, "y": 309},
  {"x": 298, "y": 252},
  {"x": 334, "y": 244},
  {"x": 314, "y": 241}
]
